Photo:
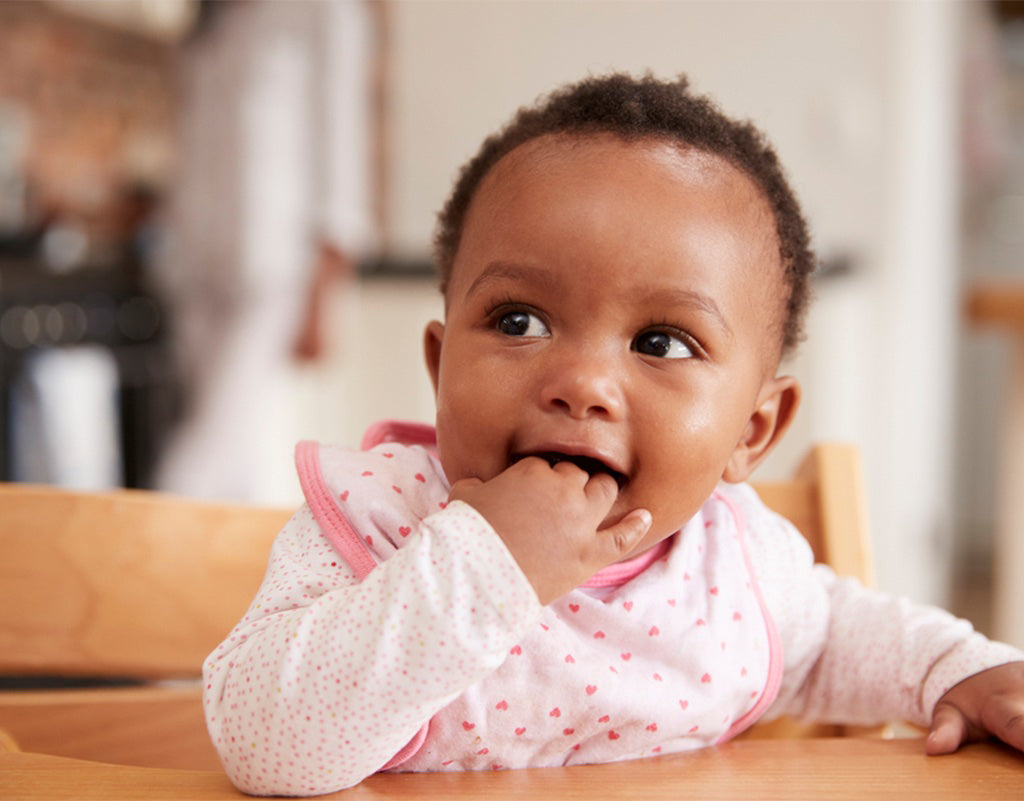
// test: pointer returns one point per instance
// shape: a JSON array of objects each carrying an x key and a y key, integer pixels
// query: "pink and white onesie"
[{"x": 395, "y": 631}]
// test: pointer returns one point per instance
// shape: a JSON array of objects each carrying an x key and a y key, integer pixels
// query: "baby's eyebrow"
[
  {"x": 664, "y": 298},
  {"x": 498, "y": 271}
]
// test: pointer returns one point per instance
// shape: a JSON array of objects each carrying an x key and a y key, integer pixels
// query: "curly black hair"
[{"x": 646, "y": 108}]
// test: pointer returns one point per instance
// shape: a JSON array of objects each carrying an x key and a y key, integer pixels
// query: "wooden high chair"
[
  {"x": 132, "y": 588},
  {"x": 825, "y": 501},
  {"x": 140, "y": 586}
]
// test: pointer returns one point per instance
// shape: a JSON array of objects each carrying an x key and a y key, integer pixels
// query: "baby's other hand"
[
  {"x": 549, "y": 518},
  {"x": 987, "y": 704}
]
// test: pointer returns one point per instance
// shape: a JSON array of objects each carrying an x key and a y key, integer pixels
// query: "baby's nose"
[{"x": 584, "y": 388}]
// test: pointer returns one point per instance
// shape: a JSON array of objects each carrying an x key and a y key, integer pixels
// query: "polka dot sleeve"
[
  {"x": 887, "y": 658},
  {"x": 325, "y": 680},
  {"x": 855, "y": 655}
]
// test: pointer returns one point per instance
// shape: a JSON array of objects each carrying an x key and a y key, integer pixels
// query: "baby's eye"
[
  {"x": 522, "y": 324},
  {"x": 663, "y": 345}
]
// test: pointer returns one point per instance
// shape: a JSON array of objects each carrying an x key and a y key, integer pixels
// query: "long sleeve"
[
  {"x": 325, "y": 679},
  {"x": 855, "y": 655},
  {"x": 887, "y": 658}
]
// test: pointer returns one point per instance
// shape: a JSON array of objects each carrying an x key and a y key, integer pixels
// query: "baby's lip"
[{"x": 590, "y": 461}]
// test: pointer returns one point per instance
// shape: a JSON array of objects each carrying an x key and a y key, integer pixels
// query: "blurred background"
[{"x": 215, "y": 222}]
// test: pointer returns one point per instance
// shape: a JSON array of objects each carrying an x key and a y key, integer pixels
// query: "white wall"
[{"x": 860, "y": 100}]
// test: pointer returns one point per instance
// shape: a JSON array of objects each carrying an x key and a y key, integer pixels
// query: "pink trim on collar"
[
  {"x": 776, "y": 659},
  {"x": 333, "y": 523},
  {"x": 401, "y": 431},
  {"x": 619, "y": 573},
  {"x": 409, "y": 750}
]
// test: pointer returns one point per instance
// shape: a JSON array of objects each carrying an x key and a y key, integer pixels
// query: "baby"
[{"x": 573, "y": 570}]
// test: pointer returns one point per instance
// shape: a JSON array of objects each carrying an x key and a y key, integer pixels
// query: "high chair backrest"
[
  {"x": 126, "y": 583},
  {"x": 825, "y": 501},
  {"x": 141, "y": 585},
  {"x": 99, "y": 588}
]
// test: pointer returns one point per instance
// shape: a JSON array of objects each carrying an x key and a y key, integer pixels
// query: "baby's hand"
[
  {"x": 548, "y": 517},
  {"x": 990, "y": 703}
]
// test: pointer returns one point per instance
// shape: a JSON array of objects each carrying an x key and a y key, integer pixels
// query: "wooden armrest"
[
  {"x": 148, "y": 726},
  {"x": 7, "y": 742}
]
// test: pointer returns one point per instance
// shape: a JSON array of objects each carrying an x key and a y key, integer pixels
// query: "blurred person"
[
  {"x": 269, "y": 204},
  {"x": 331, "y": 266}
]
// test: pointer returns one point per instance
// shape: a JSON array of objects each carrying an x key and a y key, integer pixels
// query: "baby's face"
[{"x": 616, "y": 305}]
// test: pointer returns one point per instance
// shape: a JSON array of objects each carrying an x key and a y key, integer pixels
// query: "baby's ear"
[
  {"x": 433, "y": 336},
  {"x": 775, "y": 410}
]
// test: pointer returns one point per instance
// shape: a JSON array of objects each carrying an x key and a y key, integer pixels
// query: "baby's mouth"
[{"x": 588, "y": 464}]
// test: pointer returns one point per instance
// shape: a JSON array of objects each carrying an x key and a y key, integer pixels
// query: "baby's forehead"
[
  {"x": 552, "y": 159},
  {"x": 691, "y": 167},
  {"x": 547, "y": 163}
]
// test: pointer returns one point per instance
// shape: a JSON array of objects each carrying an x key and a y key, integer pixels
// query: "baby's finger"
[
  {"x": 1003, "y": 717},
  {"x": 460, "y": 486},
  {"x": 619, "y": 539},
  {"x": 570, "y": 470},
  {"x": 603, "y": 488},
  {"x": 948, "y": 731}
]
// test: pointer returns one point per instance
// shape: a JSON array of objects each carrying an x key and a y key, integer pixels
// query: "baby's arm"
[
  {"x": 857, "y": 656},
  {"x": 325, "y": 680},
  {"x": 887, "y": 658}
]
